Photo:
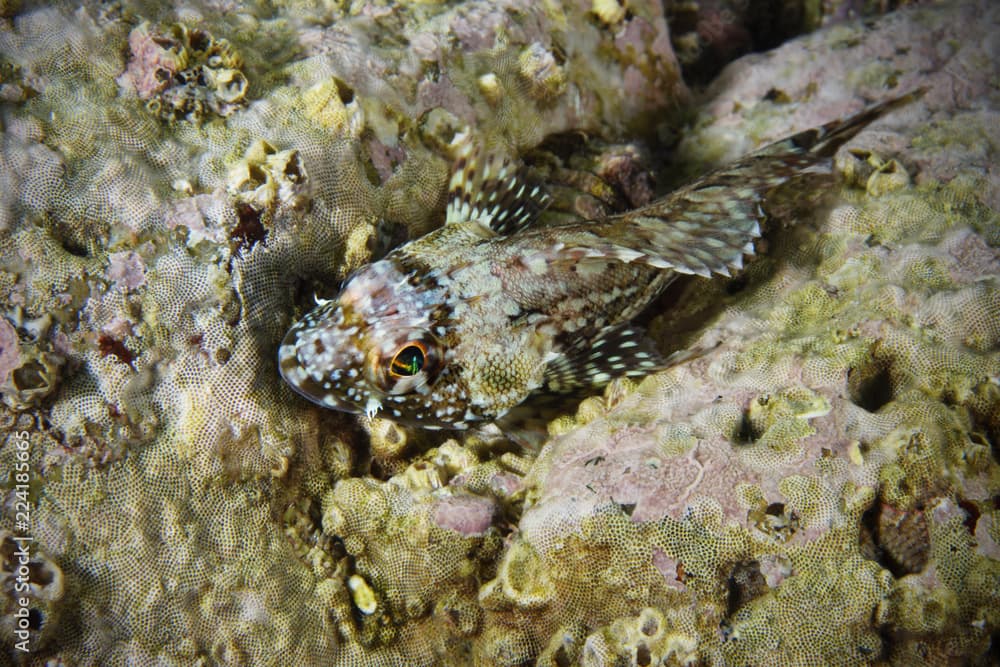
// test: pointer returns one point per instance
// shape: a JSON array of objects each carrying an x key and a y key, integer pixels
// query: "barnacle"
[
  {"x": 875, "y": 174},
  {"x": 539, "y": 67},
  {"x": 35, "y": 379},
  {"x": 267, "y": 177},
  {"x": 183, "y": 72},
  {"x": 609, "y": 11}
]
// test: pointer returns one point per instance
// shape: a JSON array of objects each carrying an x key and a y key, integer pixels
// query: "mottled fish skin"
[{"x": 463, "y": 324}]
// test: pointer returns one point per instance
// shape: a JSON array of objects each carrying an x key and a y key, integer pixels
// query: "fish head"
[{"x": 378, "y": 348}]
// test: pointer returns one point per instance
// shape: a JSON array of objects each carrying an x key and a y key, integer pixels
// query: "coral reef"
[{"x": 816, "y": 484}]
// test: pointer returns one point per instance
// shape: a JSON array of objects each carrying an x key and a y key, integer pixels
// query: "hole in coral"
[
  {"x": 39, "y": 574},
  {"x": 388, "y": 235},
  {"x": 642, "y": 655},
  {"x": 737, "y": 284},
  {"x": 972, "y": 514},
  {"x": 36, "y": 619},
  {"x": 898, "y": 540},
  {"x": 745, "y": 433},
  {"x": 745, "y": 583},
  {"x": 777, "y": 96},
  {"x": 866, "y": 536},
  {"x": 770, "y": 23},
  {"x": 74, "y": 248},
  {"x": 994, "y": 649},
  {"x": 561, "y": 657},
  {"x": 377, "y": 470},
  {"x": 627, "y": 508},
  {"x": 344, "y": 92},
  {"x": 870, "y": 386},
  {"x": 563, "y": 144}
]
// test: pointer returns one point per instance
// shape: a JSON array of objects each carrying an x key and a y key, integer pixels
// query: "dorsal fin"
[
  {"x": 489, "y": 189},
  {"x": 710, "y": 224}
]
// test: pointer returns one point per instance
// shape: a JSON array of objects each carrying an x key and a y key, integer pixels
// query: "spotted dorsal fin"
[
  {"x": 706, "y": 228},
  {"x": 489, "y": 189},
  {"x": 709, "y": 225},
  {"x": 703, "y": 229}
]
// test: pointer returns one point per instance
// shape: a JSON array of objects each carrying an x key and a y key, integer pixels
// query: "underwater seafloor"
[{"x": 818, "y": 486}]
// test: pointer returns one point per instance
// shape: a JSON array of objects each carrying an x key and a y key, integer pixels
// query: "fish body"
[{"x": 463, "y": 324}]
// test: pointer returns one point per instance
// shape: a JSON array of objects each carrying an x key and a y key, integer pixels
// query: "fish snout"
[{"x": 323, "y": 365}]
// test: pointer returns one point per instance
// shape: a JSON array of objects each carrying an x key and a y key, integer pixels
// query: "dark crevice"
[
  {"x": 897, "y": 540},
  {"x": 643, "y": 657},
  {"x": 972, "y": 515},
  {"x": 870, "y": 386},
  {"x": 745, "y": 584},
  {"x": 561, "y": 657},
  {"x": 745, "y": 434},
  {"x": 74, "y": 249}
]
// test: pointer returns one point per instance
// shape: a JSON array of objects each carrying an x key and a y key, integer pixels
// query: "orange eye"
[{"x": 409, "y": 360}]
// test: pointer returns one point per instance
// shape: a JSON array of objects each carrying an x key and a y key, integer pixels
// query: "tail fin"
[{"x": 824, "y": 140}]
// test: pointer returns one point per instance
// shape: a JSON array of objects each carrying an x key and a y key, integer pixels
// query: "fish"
[{"x": 460, "y": 326}]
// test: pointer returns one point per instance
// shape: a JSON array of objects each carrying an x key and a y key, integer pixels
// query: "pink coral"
[
  {"x": 465, "y": 514},
  {"x": 154, "y": 62},
  {"x": 127, "y": 269}
]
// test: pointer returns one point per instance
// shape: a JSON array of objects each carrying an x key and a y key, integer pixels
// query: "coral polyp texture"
[{"x": 815, "y": 482}]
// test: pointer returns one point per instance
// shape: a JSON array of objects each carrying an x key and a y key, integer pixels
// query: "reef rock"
[{"x": 816, "y": 484}]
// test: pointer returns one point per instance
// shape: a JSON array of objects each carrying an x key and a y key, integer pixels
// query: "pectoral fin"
[{"x": 616, "y": 352}]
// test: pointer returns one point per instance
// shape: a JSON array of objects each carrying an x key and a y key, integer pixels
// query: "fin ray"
[
  {"x": 616, "y": 351},
  {"x": 488, "y": 189},
  {"x": 707, "y": 226}
]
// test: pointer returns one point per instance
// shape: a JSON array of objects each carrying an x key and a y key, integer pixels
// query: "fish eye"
[{"x": 408, "y": 360}]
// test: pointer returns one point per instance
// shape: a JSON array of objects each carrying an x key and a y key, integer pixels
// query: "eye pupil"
[{"x": 408, "y": 361}]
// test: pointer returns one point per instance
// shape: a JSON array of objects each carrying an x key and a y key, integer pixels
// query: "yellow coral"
[{"x": 609, "y": 11}]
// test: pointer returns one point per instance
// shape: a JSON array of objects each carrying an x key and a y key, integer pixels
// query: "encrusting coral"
[{"x": 815, "y": 484}]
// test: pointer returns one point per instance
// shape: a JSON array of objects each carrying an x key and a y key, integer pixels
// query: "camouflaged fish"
[{"x": 463, "y": 324}]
